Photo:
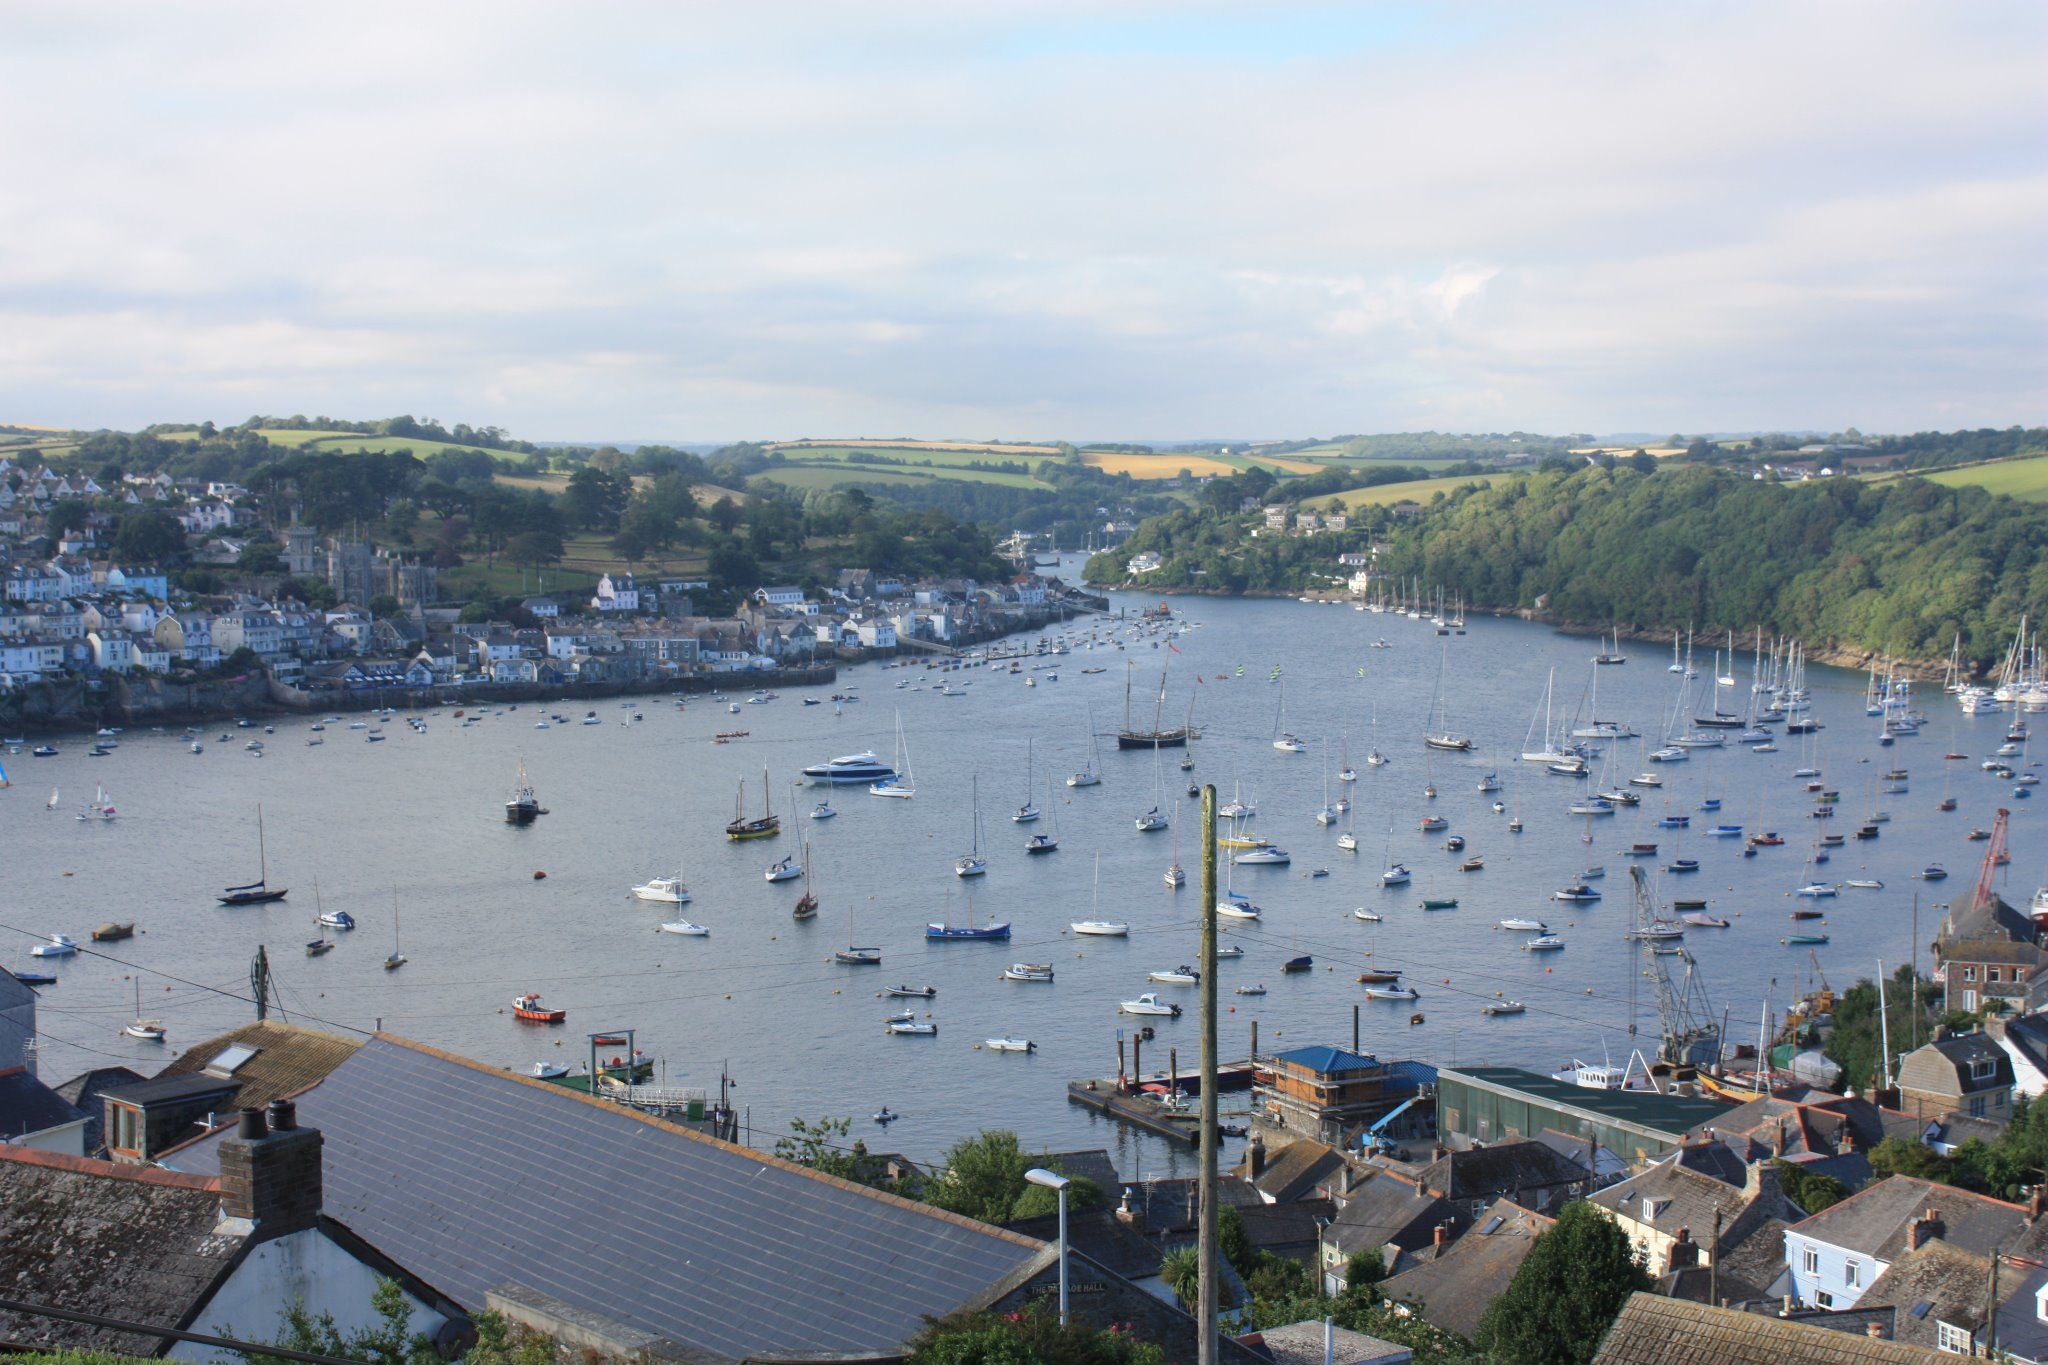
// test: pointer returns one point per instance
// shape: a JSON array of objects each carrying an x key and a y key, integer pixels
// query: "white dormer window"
[
  {"x": 1983, "y": 1069},
  {"x": 1654, "y": 1208},
  {"x": 1950, "y": 1339}
]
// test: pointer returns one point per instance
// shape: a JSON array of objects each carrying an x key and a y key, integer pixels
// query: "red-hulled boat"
[{"x": 529, "y": 1008}]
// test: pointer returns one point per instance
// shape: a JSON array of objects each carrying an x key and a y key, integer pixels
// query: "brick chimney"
[
  {"x": 1759, "y": 1178},
  {"x": 1439, "y": 1237},
  {"x": 1128, "y": 1215},
  {"x": 270, "y": 1171},
  {"x": 2034, "y": 1201},
  {"x": 1685, "y": 1252},
  {"x": 1255, "y": 1156},
  {"x": 1924, "y": 1229}
]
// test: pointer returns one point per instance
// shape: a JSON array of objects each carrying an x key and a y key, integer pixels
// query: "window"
[
  {"x": 1852, "y": 1274},
  {"x": 1950, "y": 1339},
  {"x": 1976, "y": 1106},
  {"x": 1995, "y": 973},
  {"x": 1809, "y": 1261},
  {"x": 1982, "y": 1068},
  {"x": 1823, "y": 1299},
  {"x": 1969, "y": 973}
]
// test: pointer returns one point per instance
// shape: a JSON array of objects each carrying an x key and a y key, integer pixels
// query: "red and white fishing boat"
[{"x": 530, "y": 1008}]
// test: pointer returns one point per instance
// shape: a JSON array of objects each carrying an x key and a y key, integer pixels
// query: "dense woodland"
[{"x": 1901, "y": 567}]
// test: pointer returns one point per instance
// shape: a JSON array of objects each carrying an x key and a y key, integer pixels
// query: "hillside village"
[{"x": 78, "y": 612}]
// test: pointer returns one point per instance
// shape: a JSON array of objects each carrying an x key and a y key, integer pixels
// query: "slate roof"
[
  {"x": 29, "y": 1106},
  {"x": 473, "y": 1178},
  {"x": 127, "y": 1242},
  {"x": 1875, "y": 1219},
  {"x": 84, "y": 1089},
  {"x": 1607, "y": 1165},
  {"x": 289, "y": 1058},
  {"x": 1652, "y": 1330},
  {"x": 1301, "y": 1343},
  {"x": 1686, "y": 1198},
  {"x": 1949, "y": 1280},
  {"x": 164, "y": 1088},
  {"x": 1502, "y": 1169},
  {"x": 1102, "y": 1237},
  {"x": 1454, "y": 1290},
  {"x": 1328, "y": 1061},
  {"x": 1752, "y": 1267},
  {"x": 1387, "y": 1209},
  {"x": 1296, "y": 1170}
]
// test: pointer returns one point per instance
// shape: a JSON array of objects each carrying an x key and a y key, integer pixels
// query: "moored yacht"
[{"x": 848, "y": 768}]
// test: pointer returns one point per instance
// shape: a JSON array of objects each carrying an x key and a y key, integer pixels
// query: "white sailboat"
[
  {"x": 900, "y": 784},
  {"x": 1541, "y": 748},
  {"x": 1176, "y": 876},
  {"x": 1438, "y": 733},
  {"x": 1096, "y": 925},
  {"x": 1374, "y": 758},
  {"x": 1027, "y": 812},
  {"x": 972, "y": 864},
  {"x": 1090, "y": 776},
  {"x": 1283, "y": 739}
]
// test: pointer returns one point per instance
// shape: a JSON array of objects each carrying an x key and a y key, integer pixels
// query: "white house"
[
  {"x": 1835, "y": 1255},
  {"x": 1144, "y": 562},
  {"x": 112, "y": 651},
  {"x": 782, "y": 595},
  {"x": 618, "y": 594},
  {"x": 877, "y": 634}
]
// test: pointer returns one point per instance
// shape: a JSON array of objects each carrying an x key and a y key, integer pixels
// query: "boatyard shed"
[
  {"x": 627, "y": 1235},
  {"x": 1490, "y": 1103}
]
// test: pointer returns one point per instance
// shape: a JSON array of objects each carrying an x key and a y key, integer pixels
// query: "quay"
[{"x": 1156, "y": 1103}]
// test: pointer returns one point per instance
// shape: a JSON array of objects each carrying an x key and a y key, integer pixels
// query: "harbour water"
[{"x": 420, "y": 817}]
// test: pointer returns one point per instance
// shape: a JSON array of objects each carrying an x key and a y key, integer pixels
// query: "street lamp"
[{"x": 1057, "y": 1183}]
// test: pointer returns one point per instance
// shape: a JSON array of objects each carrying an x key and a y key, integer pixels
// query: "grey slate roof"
[
  {"x": 1296, "y": 1170},
  {"x": 1454, "y": 1290},
  {"x": 1685, "y": 1198},
  {"x": 1388, "y": 1209},
  {"x": 1659, "y": 1331},
  {"x": 123, "y": 1241},
  {"x": 1502, "y": 1169},
  {"x": 1951, "y": 1281},
  {"x": 84, "y": 1090},
  {"x": 29, "y": 1106},
  {"x": 1875, "y": 1219},
  {"x": 473, "y": 1178},
  {"x": 1301, "y": 1343}
]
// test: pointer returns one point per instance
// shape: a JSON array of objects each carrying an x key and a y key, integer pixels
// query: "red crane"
[{"x": 1994, "y": 855}]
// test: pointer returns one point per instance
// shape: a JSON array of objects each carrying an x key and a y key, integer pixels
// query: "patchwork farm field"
[
  {"x": 2025, "y": 479},
  {"x": 1420, "y": 490}
]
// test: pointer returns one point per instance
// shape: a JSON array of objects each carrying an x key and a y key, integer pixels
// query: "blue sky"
[{"x": 1096, "y": 221}]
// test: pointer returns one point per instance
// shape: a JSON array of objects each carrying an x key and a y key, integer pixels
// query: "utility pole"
[{"x": 1207, "y": 1299}]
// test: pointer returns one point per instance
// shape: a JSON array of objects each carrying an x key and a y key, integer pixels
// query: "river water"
[{"x": 419, "y": 817}]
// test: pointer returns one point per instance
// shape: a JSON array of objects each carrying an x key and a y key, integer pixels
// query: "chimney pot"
[
  {"x": 1785, "y": 1306},
  {"x": 283, "y": 1116},
  {"x": 1874, "y": 1330},
  {"x": 1255, "y": 1156},
  {"x": 251, "y": 1125}
]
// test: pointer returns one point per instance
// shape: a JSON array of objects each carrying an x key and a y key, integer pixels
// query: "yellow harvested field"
[
  {"x": 1418, "y": 490},
  {"x": 1661, "y": 452},
  {"x": 988, "y": 447},
  {"x": 1156, "y": 466},
  {"x": 1286, "y": 465}
]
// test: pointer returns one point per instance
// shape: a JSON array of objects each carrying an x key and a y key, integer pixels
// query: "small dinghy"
[
  {"x": 1865, "y": 883},
  {"x": 885, "y": 1117},
  {"x": 1472, "y": 864},
  {"x": 1298, "y": 964},
  {"x": 913, "y": 1030},
  {"x": 912, "y": 992},
  {"x": 545, "y": 1071},
  {"x": 1011, "y": 1045},
  {"x": 1502, "y": 1007},
  {"x": 1390, "y": 993},
  {"x": 1368, "y": 916},
  {"x": 319, "y": 946},
  {"x": 1251, "y": 990},
  {"x": 1027, "y": 971},
  {"x": 1700, "y": 919},
  {"x": 1528, "y": 926}
]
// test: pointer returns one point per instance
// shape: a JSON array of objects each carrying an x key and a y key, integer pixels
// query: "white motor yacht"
[{"x": 666, "y": 890}]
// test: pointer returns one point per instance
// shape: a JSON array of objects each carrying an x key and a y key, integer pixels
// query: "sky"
[{"x": 1097, "y": 220}]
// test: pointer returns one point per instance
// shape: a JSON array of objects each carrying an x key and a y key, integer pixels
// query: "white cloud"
[{"x": 1135, "y": 220}]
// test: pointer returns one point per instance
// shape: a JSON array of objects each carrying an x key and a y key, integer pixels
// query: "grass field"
[
  {"x": 2025, "y": 479},
  {"x": 1420, "y": 490},
  {"x": 351, "y": 441},
  {"x": 837, "y": 475},
  {"x": 919, "y": 447}
]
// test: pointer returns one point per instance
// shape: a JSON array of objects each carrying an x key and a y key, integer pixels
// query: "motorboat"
[
  {"x": 865, "y": 766},
  {"x": 666, "y": 890},
  {"x": 1182, "y": 975},
  {"x": 336, "y": 919},
  {"x": 1298, "y": 964},
  {"x": 1472, "y": 864},
  {"x": 60, "y": 945},
  {"x": 1266, "y": 856},
  {"x": 1149, "y": 1003},
  {"x": 1498, "y": 1007},
  {"x": 858, "y": 957},
  {"x": 149, "y": 1030},
  {"x": 530, "y": 1008},
  {"x": 1229, "y": 951},
  {"x": 114, "y": 931},
  {"x": 1646, "y": 780},
  {"x": 912, "y": 1029},
  {"x": 1674, "y": 821},
  {"x": 1865, "y": 883},
  {"x": 1440, "y": 903},
  {"x": 685, "y": 928},
  {"x": 1101, "y": 928},
  {"x": 1933, "y": 872},
  {"x": 1700, "y": 919},
  {"x": 1578, "y": 891},
  {"x": 1817, "y": 890},
  {"x": 1367, "y": 915},
  {"x": 1254, "y": 989},
  {"x": 1523, "y": 925},
  {"x": 1010, "y": 1045},
  {"x": 1543, "y": 943},
  {"x": 1028, "y": 971},
  {"x": 1430, "y": 824},
  {"x": 1391, "y": 993}
]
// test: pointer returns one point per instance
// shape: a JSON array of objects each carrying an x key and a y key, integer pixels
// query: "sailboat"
[
  {"x": 1374, "y": 758},
  {"x": 1437, "y": 733},
  {"x": 852, "y": 955},
  {"x": 51, "y": 804},
  {"x": 767, "y": 826},
  {"x": 806, "y": 904},
  {"x": 1157, "y": 737},
  {"x": 900, "y": 783},
  {"x": 1176, "y": 876},
  {"x": 972, "y": 864},
  {"x": 1328, "y": 814},
  {"x": 1394, "y": 874},
  {"x": 1090, "y": 776},
  {"x": 258, "y": 892},
  {"x": 149, "y": 1030},
  {"x": 1155, "y": 818},
  {"x": 1187, "y": 759},
  {"x": 397, "y": 958},
  {"x": 1095, "y": 924},
  {"x": 1043, "y": 842},
  {"x": 1348, "y": 840},
  {"x": 1027, "y": 812},
  {"x": 1345, "y": 772},
  {"x": 1547, "y": 751},
  {"x": 1614, "y": 655},
  {"x": 940, "y": 930},
  {"x": 1283, "y": 739}
]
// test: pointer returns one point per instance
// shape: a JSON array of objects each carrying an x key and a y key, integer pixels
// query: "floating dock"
[{"x": 1143, "y": 1101}]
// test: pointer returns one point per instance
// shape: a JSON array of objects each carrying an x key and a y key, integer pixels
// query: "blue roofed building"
[{"x": 1331, "y": 1093}]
